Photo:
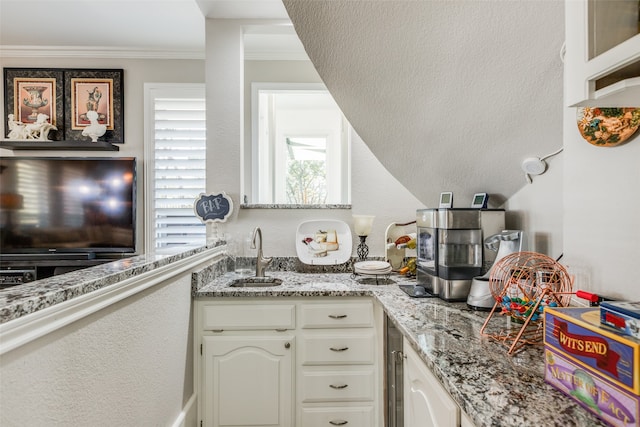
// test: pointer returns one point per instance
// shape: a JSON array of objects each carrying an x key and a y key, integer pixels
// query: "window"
[
  {"x": 300, "y": 146},
  {"x": 175, "y": 172}
]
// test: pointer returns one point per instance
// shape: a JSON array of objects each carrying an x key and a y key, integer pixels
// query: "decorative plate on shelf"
[
  {"x": 323, "y": 242},
  {"x": 608, "y": 127}
]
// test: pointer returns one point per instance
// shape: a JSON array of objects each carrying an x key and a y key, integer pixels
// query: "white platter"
[
  {"x": 312, "y": 253},
  {"x": 375, "y": 268}
]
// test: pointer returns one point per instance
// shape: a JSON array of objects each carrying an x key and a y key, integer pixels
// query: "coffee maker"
[
  {"x": 449, "y": 248},
  {"x": 427, "y": 250},
  {"x": 504, "y": 243}
]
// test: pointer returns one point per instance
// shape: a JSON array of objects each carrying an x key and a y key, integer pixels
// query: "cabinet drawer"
[
  {"x": 327, "y": 386},
  {"x": 236, "y": 317},
  {"x": 338, "y": 348},
  {"x": 337, "y": 315},
  {"x": 361, "y": 416}
]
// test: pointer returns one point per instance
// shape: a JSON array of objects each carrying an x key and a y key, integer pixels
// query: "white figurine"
[
  {"x": 95, "y": 130},
  {"x": 38, "y": 130},
  {"x": 16, "y": 128}
]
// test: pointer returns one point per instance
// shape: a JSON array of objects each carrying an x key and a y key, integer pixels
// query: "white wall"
[
  {"x": 128, "y": 364},
  {"x": 373, "y": 190},
  {"x": 602, "y": 213},
  {"x": 587, "y": 206},
  {"x": 537, "y": 209}
]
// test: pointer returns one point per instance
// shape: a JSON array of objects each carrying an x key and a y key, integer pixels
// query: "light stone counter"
[
  {"x": 494, "y": 389},
  {"x": 491, "y": 387},
  {"x": 21, "y": 300}
]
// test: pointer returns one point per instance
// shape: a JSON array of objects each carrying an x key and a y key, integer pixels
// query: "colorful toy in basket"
[{"x": 523, "y": 284}]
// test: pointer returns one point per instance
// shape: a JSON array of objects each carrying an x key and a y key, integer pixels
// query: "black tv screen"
[{"x": 67, "y": 204}]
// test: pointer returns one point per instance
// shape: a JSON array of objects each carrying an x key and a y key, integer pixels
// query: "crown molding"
[
  {"x": 98, "y": 52},
  {"x": 133, "y": 53},
  {"x": 276, "y": 56}
]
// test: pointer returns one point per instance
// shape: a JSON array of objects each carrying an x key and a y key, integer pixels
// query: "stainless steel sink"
[{"x": 255, "y": 282}]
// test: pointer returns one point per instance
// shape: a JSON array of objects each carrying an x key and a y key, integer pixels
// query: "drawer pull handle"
[
  {"x": 338, "y": 387},
  {"x": 337, "y": 316},
  {"x": 338, "y": 422},
  {"x": 339, "y": 349}
]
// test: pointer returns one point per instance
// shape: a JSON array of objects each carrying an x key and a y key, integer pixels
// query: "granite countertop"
[
  {"x": 18, "y": 301},
  {"x": 492, "y": 387}
]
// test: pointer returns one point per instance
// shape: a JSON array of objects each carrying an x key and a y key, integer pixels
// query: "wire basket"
[{"x": 522, "y": 284}]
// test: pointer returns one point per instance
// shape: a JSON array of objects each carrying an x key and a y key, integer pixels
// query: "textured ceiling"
[{"x": 449, "y": 95}]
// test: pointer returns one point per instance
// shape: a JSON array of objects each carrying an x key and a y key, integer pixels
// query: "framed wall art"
[
  {"x": 29, "y": 92},
  {"x": 65, "y": 96},
  {"x": 94, "y": 90}
]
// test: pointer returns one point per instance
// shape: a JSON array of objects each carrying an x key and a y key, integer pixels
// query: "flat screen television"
[{"x": 66, "y": 205}]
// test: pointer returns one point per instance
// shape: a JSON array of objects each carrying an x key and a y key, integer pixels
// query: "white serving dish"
[
  {"x": 313, "y": 253},
  {"x": 373, "y": 268}
]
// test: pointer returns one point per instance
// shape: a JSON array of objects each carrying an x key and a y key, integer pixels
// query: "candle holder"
[
  {"x": 362, "y": 225},
  {"x": 363, "y": 249}
]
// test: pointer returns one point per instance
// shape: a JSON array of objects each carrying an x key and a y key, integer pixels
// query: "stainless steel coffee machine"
[
  {"x": 427, "y": 250},
  {"x": 450, "y": 251}
]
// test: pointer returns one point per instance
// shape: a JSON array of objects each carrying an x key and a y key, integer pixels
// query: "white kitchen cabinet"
[
  {"x": 426, "y": 402},
  {"x": 246, "y": 366},
  {"x": 339, "y": 375},
  {"x": 602, "y": 60},
  {"x": 248, "y": 380},
  {"x": 338, "y": 347},
  {"x": 289, "y": 362},
  {"x": 354, "y": 416}
]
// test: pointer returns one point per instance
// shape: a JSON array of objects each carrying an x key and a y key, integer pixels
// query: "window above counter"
[{"x": 300, "y": 150}]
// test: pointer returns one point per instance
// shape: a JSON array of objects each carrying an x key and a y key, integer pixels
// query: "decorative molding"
[
  {"x": 276, "y": 56},
  {"x": 98, "y": 52},
  {"x": 134, "y": 53},
  {"x": 28, "y": 328}
]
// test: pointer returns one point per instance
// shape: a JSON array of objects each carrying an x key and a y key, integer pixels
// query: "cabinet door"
[
  {"x": 602, "y": 60},
  {"x": 248, "y": 380},
  {"x": 426, "y": 403}
]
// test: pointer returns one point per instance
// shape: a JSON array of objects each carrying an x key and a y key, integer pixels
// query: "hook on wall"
[{"x": 536, "y": 165}]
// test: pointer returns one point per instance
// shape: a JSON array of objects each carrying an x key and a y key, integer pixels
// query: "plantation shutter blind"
[{"x": 179, "y": 170}]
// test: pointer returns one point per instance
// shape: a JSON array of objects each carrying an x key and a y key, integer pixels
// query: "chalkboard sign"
[{"x": 213, "y": 207}]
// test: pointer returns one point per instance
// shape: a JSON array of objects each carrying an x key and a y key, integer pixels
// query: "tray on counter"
[{"x": 311, "y": 254}]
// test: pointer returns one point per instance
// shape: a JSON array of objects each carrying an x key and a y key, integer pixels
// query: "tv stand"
[
  {"x": 47, "y": 265},
  {"x": 49, "y": 256}
]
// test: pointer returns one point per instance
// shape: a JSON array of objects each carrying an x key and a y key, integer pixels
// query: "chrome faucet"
[{"x": 261, "y": 261}]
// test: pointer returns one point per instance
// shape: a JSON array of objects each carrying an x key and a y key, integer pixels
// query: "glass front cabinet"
[{"x": 602, "y": 57}]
